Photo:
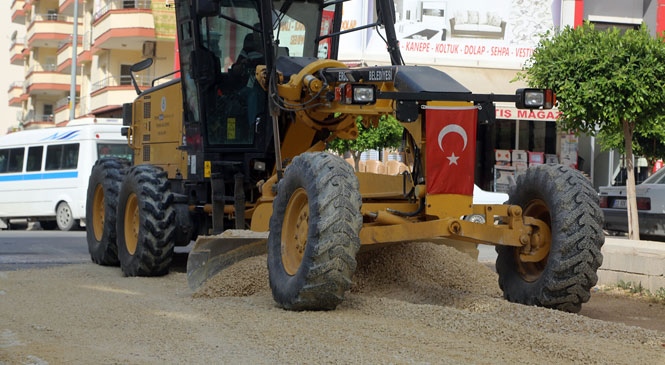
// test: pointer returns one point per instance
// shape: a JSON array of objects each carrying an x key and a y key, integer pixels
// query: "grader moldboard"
[{"x": 231, "y": 154}]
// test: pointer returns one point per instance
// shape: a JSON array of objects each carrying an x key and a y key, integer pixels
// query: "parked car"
[{"x": 650, "y": 207}]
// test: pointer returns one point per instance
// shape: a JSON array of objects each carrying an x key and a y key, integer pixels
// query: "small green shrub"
[{"x": 639, "y": 290}]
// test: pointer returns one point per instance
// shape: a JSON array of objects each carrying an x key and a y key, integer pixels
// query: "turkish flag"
[{"x": 450, "y": 149}]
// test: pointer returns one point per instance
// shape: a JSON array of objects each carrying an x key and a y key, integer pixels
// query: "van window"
[
  {"x": 114, "y": 150},
  {"x": 62, "y": 157},
  {"x": 35, "y": 158},
  {"x": 11, "y": 160}
]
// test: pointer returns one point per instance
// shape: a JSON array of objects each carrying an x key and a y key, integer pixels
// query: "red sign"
[
  {"x": 176, "y": 59},
  {"x": 327, "y": 19},
  {"x": 451, "y": 150}
]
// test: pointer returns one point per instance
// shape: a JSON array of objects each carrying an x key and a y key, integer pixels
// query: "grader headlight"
[
  {"x": 535, "y": 99},
  {"x": 355, "y": 94}
]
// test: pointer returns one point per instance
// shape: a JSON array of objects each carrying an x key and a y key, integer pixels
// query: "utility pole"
[{"x": 75, "y": 43}]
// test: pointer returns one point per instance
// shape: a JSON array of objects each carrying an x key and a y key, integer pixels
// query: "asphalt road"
[
  {"x": 25, "y": 249},
  {"x": 28, "y": 249},
  {"x": 34, "y": 249}
]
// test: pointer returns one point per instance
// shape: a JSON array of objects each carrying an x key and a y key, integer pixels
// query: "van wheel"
[
  {"x": 101, "y": 208},
  {"x": 64, "y": 217},
  {"x": 567, "y": 202},
  {"x": 146, "y": 222},
  {"x": 314, "y": 231}
]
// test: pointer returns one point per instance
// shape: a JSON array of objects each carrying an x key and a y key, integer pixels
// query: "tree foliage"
[
  {"x": 387, "y": 134},
  {"x": 603, "y": 78},
  {"x": 609, "y": 84}
]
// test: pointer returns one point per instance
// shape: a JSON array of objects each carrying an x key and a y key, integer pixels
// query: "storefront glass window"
[
  {"x": 537, "y": 136},
  {"x": 505, "y": 135}
]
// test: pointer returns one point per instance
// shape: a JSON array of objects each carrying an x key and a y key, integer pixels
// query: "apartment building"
[{"x": 111, "y": 36}]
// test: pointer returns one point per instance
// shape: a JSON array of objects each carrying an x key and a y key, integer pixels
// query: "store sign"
[
  {"x": 550, "y": 115},
  {"x": 485, "y": 33}
]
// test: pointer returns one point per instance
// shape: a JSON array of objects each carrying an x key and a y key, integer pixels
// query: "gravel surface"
[{"x": 416, "y": 303}]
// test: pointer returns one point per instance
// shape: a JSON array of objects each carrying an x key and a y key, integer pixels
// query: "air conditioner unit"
[{"x": 149, "y": 49}]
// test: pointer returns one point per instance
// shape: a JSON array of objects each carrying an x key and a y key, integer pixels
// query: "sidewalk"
[{"x": 633, "y": 261}]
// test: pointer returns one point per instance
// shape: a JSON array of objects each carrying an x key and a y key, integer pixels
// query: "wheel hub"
[
  {"x": 98, "y": 212},
  {"x": 294, "y": 231},
  {"x": 532, "y": 258},
  {"x": 132, "y": 224}
]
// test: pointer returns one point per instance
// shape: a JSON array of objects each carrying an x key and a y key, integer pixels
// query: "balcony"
[
  {"x": 17, "y": 12},
  {"x": 17, "y": 50},
  {"x": 48, "y": 30},
  {"x": 123, "y": 24},
  {"x": 85, "y": 52},
  {"x": 45, "y": 80},
  {"x": 62, "y": 111},
  {"x": 64, "y": 55},
  {"x": 67, "y": 6},
  {"x": 17, "y": 93},
  {"x": 38, "y": 121},
  {"x": 112, "y": 92}
]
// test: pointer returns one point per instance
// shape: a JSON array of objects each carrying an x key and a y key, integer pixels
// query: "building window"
[
  {"x": 505, "y": 135},
  {"x": 125, "y": 75},
  {"x": 52, "y": 15},
  {"x": 47, "y": 116},
  {"x": 537, "y": 136},
  {"x": 601, "y": 26}
]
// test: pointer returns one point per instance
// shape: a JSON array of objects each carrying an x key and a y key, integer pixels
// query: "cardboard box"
[
  {"x": 504, "y": 176},
  {"x": 519, "y": 156},
  {"x": 502, "y": 155},
  {"x": 520, "y": 168},
  {"x": 536, "y": 158}
]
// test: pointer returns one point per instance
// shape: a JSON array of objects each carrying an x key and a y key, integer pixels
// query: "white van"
[{"x": 44, "y": 172}]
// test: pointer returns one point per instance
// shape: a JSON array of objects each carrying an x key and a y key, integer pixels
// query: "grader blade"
[{"x": 211, "y": 254}]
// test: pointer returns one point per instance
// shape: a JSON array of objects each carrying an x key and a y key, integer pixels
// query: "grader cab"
[{"x": 232, "y": 155}]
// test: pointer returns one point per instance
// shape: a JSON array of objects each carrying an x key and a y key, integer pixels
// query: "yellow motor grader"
[{"x": 232, "y": 155}]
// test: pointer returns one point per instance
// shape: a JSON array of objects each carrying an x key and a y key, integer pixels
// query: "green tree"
[
  {"x": 610, "y": 84},
  {"x": 387, "y": 134}
]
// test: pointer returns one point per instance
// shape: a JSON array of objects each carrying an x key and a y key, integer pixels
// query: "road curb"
[{"x": 633, "y": 261}]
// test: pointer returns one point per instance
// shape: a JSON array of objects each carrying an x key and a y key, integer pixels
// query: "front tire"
[
  {"x": 567, "y": 202},
  {"x": 314, "y": 231},
  {"x": 146, "y": 222},
  {"x": 100, "y": 211}
]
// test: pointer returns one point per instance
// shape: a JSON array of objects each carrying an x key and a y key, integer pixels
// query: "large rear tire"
[
  {"x": 146, "y": 222},
  {"x": 567, "y": 202},
  {"x": 101, "y": 207},
  {"x": 314, "y": 231}
]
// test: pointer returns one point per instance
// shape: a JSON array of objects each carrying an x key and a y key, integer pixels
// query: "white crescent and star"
[{"x": 452, "y": 128}]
